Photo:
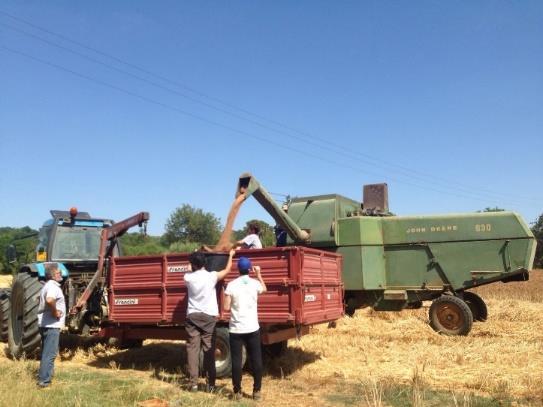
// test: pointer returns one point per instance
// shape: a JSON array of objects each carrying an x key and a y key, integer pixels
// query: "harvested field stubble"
[{"x": 374, "y": 358}]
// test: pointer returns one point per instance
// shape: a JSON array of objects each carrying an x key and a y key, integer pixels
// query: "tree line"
[{"x": 186, "y": 229}]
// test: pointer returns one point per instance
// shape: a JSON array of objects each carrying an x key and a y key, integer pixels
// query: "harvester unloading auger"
[{"x": 396, "y": 262}]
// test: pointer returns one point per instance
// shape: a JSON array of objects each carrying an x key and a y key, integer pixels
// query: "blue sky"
[{"x": 118, "y": 107}]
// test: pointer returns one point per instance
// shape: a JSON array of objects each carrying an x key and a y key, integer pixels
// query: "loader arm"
[{"x": 107, "y": 243}]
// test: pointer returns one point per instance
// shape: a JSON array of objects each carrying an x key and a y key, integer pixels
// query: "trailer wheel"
[
  {"x": 223, "y": 356},
  {"x": 450, "y": 315},
  {"x": 476, "y": 305},
  {"x": 23, "y": 331},
  {"x": 4, "y": 314}
]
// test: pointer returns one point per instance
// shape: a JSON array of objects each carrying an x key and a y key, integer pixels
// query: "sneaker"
[
  {"x": 237, "y": 396},
  {"x": 211, "y": 388},
  {"x": 42, "y": 385},
  {"x": 193, "y": 388},
  {"x": 257, "y": 396}
]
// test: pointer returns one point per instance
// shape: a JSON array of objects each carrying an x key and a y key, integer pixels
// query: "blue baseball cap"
[{"x": 244, "y": 263}]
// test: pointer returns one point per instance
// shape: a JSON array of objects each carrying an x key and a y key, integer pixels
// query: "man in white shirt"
[
  {"x": 51, "y": 316},
  {"x": 241, "y": 298},
  {"x": 252, "y": 240},
  {"x": 202, "y": 311}
]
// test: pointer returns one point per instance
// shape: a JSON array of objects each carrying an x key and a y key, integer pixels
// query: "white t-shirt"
[
  {"x": 201, "y": 291},
  {"x": 244, "y": 313},
  {"x": 252, "y": 241},
  {"x": 51, "y": 289}
]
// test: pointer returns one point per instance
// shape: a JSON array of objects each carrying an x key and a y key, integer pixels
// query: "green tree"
[
  {"x": 537, "y": 229},
  {"x": 188, "y": 224},
  {"x": 25, "y": 241},
  {"x": 267, "y": 236},
  {"x": 137, "y": 244}
]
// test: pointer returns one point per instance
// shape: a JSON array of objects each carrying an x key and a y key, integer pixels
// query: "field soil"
[{"x": 374, "y": 358}]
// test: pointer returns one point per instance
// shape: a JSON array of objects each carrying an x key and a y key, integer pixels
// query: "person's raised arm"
[
  {"x": 259, "y": 278},
  {"x": 222, "y": 274}
]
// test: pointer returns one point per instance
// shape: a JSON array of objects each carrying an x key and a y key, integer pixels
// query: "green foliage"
[
  {"x": 183, "y": 247},
  {"x": 189, "y": 224},
  {"x": 137, "y": 244},
  {"x": 267, "y": 236},
  {"x": 537, "y": 230},
  {"x": 24, "y": 239}
]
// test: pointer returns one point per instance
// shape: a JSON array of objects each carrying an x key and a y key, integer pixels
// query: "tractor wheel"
[
  {"x": 23, "y": 331},
  {"x": 477, "y": 306},
  {"x": 450, "y": 315},
  {"x": 275, "y": 350},
  {"x": 4, "y": 314},
  {"x": 223, "y": 356}
]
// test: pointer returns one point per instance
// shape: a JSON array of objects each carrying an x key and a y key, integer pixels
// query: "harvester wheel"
[
  {"x": 477, "y": 306},
  {"x": 450, "y": 315},
  {"x": 4, "y": 314},
  {"x": 23, "y": 331},
  {"x": 223, "y": 356}
]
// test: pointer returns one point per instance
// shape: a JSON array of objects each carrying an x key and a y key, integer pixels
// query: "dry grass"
[
  {"x": 5, "y": 280},
  {"x": 374, "y": 359}
]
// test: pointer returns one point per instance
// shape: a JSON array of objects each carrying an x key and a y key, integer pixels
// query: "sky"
[{"x": 127, "y": 106}]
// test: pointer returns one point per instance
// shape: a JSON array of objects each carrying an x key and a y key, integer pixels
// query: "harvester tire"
[
  {"x": 223, "y": 356},
  {"x": 477, "y": 306},
  {"x": 23, "y": 331},
  {"x": 450, "y": 315},
  {"x": 4, "y": 314}
]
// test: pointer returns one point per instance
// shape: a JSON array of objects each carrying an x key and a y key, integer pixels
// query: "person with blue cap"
[{"x": 241, "y": 298}]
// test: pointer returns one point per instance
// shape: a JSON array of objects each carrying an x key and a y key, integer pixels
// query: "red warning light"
[{"x": 73, "y": 211}]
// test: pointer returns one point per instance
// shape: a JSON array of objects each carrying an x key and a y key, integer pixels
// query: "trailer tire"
[
  {"x": 477, "y": 306},
  {"x": 450, "y": 315},
  {"x": 23, "y": 331},
  {"x": 223, "y": 356},
  {"x": 4, "y": 314}
]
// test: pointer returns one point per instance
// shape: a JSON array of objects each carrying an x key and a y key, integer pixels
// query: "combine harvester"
[{"x": 395, "y": 262}]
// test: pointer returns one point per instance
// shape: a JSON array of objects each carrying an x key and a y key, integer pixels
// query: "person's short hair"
[
  {"x": 254, "y": 227},
  {"x": 197, "y": 260},
  {"x": 50, "y": 269}
]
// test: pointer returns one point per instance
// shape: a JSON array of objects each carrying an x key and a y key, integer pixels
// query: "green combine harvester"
[{"x": 396, "y": 262}]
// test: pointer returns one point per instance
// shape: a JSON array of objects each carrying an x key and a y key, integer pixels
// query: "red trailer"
[{"x": 147, "y": 296}]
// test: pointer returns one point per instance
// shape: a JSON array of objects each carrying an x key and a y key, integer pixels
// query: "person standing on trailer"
[
  {"x": 202, "y": 311},
  {"x": 252, "y": 240},
  {"x": 241, "y": 298},
  {"x": 51, "y": 316}
]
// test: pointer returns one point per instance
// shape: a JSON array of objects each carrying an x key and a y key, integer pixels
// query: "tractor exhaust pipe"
[{"x": 248, "y": 185}]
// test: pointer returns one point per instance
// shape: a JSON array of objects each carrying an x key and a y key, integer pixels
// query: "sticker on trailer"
[
  {"x": 310, "y": 298},
  {"x": 126, "y": 301},
  {"x": 178, "y": 269}
]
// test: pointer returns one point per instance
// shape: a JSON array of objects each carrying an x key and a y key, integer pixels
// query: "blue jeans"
[{"x": 49, "y": 350}]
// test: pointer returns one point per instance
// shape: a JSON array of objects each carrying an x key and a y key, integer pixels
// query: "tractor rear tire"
[
  {"x": 477, "y": 306},
  {"x": 450, "y": 315},
  {"x": 23, "y": 331},
  {"x": 4, "y": 314},
  {"x": 223, "y": 355}
]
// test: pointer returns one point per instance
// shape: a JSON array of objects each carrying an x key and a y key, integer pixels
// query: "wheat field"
[{"x": 374, "y": 358}]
